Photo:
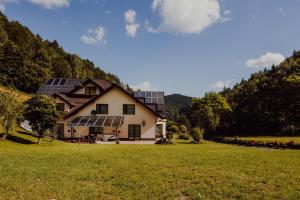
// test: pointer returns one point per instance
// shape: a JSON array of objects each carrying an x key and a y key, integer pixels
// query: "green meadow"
[{"x": 57, "y": 170}]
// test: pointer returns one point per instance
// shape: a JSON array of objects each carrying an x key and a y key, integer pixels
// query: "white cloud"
[
  {"x": 130, "y": 16},
  {"x": 226, "y": 16},
  {"x": 100, "y": 33},
  {"x": 227, "y": 12},
  {"x": 131, "y": 25},
  {"x": 144, "y": 86},
  {"x": 95, "y": 36},
  {"x": 188, "y": 16},
  {"x": 150, "y": 28},
  {"x": 88, "y": 40},
  {"x": 132, "y": 29},
  {"x": 3, "y": 3},
  {"x": 50, "y": 4},
  {"x": 266, "y": 60},
  {"x": 221, "y": 84},
  {"x": 2, "y": 7},
  {"x": 46, "y": 4}
]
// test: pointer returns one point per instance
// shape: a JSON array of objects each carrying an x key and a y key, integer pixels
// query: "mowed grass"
[
  {"x": 273, "y": 139},
  {"x": 56, "y": 170}
]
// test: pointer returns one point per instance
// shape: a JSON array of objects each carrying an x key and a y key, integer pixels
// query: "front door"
[
  {"x": 60, "y": 131},
  {"x": 134, "y": 132}
]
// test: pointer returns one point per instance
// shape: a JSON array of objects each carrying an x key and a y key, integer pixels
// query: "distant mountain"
[
  {"x": 177, "y": 105},
  {"x": 26, "y": 60}
]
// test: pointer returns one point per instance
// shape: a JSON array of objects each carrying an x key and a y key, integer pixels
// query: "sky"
[{"x": 177, "y": 46}]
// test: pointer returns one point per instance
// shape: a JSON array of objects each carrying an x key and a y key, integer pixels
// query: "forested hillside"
[
  {"x": 178, "y": 107},
  {"x": 268, "y": 103},
  {"x": 26, "y": 60}
]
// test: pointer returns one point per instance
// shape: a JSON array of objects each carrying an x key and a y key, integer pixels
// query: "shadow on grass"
[
  {"x": 17, "y": 139},
  {"x": 27, "y": 133}
]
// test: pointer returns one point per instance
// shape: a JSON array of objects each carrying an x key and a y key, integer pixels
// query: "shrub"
[
  {"x": 164, "y": 141},
  {"x": 182, "y": 129},
  {"x": 184, "y": 136},
  {"x": 197, "y": 134},
  {"x": 174, "y": 129}
]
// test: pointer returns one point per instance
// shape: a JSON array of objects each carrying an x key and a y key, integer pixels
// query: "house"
[{"x": 99, "y": 108}]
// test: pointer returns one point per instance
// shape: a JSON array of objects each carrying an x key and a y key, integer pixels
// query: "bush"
[
  {"x": 174, "y": 129},
  {"x": 197, "y": 135},
  {"x": 164, "y": 141},
  {"x": 182, "y": 129},
  {"x": 184, "y": 136}
]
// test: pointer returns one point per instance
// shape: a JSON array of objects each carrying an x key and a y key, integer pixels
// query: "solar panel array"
[
  {"x": 59, "y": 85},
  {"x": 151, "y": 97},
  {"x": 56, "y": 81},
  {"x": 97, "y": 121}
]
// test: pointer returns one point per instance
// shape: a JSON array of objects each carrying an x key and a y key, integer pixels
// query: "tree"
[
  {"x": 41, "y": 113},
  {"x": 27, "y": 61},
  {"x": 197, "y": 135},
  {"x": 207, "y": 112},
  {"x": 10, "y": 110}
]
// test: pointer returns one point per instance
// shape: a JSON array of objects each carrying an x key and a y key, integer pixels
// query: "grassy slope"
[
  {"x": 209, "y": 171},
  {"x": 22, "y": 96}
]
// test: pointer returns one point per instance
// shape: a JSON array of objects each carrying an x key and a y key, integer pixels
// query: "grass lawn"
[
  {"x": 273, "y": 139},
  {"x": 56, "y": 170}
]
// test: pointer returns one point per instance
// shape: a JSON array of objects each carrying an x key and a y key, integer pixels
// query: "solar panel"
[
  {"x": 57, "y": 80},
  {"x": 50, "y": 81},
  {"x": 154, "y": 94},
  {"x": 151, "y": 97},
  {"x": 63, "y": 81},
  {"x": 148, "y": 94},
  {"x": 97, "y": 121}
]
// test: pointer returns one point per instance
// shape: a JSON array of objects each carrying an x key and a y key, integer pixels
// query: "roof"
[
  {"x": 50, "y": 89},
  {"x": 65, "y": 88},
  {"x": 100, "y": 83}
]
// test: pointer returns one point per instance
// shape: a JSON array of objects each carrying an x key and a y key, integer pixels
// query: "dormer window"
[{"x": 90, "y": 90}]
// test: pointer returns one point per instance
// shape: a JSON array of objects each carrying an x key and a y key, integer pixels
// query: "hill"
[
  {"x": 22, "y": 96},
  {"x": 268, "y": 103},
  {"x": 26, "y": 60},
  {"x": 177, "y": 105}
]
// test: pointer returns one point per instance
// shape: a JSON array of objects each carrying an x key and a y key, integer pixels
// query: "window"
[
  {"x": 128, "y": 109},
  {"x": 102, "y": 108},
  {"x": 60, "y": 107},
  {"x": 96, "y": 130},
  {"x": 90, "y": 90}
]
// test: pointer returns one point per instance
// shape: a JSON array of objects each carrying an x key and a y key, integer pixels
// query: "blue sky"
[{"x": 178, "y": 46}]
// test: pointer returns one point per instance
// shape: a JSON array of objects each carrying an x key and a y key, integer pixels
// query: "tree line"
[
  {"x": 26, "y": 60},
  {"x": 268, "y": 103}
]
